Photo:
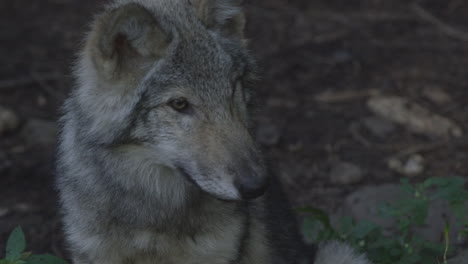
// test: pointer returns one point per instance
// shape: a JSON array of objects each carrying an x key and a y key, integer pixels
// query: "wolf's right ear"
[
  {"x": 225, "y": 16},
  {"x": 125, "y": 41}
]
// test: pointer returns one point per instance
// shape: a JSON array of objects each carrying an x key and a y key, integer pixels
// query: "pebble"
[
  {"x": 39, "y": 131},
  {"x": 23, "y": 207},
  {"x": 379, "y": 127},
  {"x": 5, "y": 162},
  {"x": 41, "y": 100},
  {"x": 9, "y": 121},
  {"x": 437, "y": 95},
  {"x": 268, "y": 134},
  {"x": 345, "y": 173},
  {"x": 363, "y": 205},
  {"x": 412, "y": 166},
  {"x": 4, "y": 212},
  {"x": 414, "y": 117}
]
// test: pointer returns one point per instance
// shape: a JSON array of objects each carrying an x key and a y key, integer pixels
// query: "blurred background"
[{"x": 355, "y": 94}]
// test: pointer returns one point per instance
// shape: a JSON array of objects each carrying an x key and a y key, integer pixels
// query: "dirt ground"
[{"x": 321, "y": 60}]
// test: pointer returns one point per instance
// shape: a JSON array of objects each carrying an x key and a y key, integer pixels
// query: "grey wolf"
[{"x": 157, "y": 163}]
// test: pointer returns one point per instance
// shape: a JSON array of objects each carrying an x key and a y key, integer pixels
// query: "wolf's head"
[{"x": 170, "y": 80}]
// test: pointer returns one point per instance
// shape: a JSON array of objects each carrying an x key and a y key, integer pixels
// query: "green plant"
[
  {"x": 405, "y": 246},
  {"x": 15, "y": 254}
]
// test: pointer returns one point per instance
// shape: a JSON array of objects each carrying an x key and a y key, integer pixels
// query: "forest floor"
[{"x": 327, "y": 66}]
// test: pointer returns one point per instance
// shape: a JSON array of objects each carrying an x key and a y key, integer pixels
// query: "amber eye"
[{"x": 179, "y": 104}]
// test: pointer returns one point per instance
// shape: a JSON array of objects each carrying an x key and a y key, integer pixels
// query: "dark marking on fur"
[{"x": 243, "y": 240}]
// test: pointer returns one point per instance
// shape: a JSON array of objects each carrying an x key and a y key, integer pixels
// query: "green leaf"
[
  {"x": 309, "y": 227},
  {"x": 459, "y": 209},
  {"x": 15, "y": 245},
  {"x": 319, "y": 215},
  {"x": 406, "y": 186},
  {"x": 45, "y": 259},
  {"x": 346, "y": 225},
  {"x": 420, "y": 212},
  {"x": 386, "y": 210},
  {"x": 362, "y": 229},
  {"x": 411, "y": 259},
  {"x": 25, "y": 255}
]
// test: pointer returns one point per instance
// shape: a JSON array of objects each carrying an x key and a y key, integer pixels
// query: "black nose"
[
  {"x": 251, "y": 179},
  {"x": 252, "y": 186}
]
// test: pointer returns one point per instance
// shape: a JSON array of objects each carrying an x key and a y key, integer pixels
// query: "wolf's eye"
[{"x": 179, "y": 104}]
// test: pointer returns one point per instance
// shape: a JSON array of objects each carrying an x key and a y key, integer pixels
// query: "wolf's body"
[{"x": 156, "y": 163}]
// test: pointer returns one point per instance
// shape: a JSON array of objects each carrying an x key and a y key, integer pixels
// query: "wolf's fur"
[{"x": 141, "y": 182}]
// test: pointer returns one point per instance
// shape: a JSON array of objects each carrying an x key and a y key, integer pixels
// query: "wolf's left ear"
[
  {"x": 124, "y": 41},
  {"x": 226, "y": 16}
]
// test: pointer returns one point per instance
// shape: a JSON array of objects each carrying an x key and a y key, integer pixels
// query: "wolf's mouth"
[
  {"x": 186, "y": 175},
  {"x": 203, "y": 186}
]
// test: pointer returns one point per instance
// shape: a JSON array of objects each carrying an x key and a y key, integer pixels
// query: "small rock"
[
  {"x": 9, "y": 121},
  {"x": 41, "y": 100},
  {"x": 437, "y": 95},
  {"x": 413, "y": 166},
  {"x": 42, "y": 132},
  {"x": 18, "y": 149},
  {"x": 295, "y": 147},
  {"x": 343, "y": 96},
  {"x": 310, "y": 114},
  {"x": 281, "y": 102},
  {"x": 379, "y": 127},
  {"x": 268, "y": 134},
  {"x": 341, "y": 56},
  {"x": 5, "y": 162},
  {"x": 439, "y": 214},
  {"x": 23, "y": 207},
  {"x": 413, "y": 116},
  {"x": 345, "y": 173},
  {"x": 4, "y": 211},
  {"x": 364, "y": 203}
]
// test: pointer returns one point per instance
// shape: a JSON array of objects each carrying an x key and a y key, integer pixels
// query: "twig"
[
  {"x": 34, "y": 78},
  {"x": 419, "y": 148},
  {"x": 329, "y": 37},
  {"x": 443, "y": 27},
  {"x": 343, "y": 96},
  {"x": 446, "y": 238},
  {"x": 354, "y": 129},
  {"x": 44, "y": 85},
  {"x": 306, "y": 43},
  {"x": 365, "y": 15}
]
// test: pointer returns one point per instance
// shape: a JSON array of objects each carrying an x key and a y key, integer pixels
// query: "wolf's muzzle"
[
  {"x": 252, "y": 187},
  {"x": 251, "y": 181}
]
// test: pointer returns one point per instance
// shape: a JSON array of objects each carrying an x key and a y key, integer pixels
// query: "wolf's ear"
[
  {"x": 224, "y": 15},
  {"x": 125, "y": 41}
]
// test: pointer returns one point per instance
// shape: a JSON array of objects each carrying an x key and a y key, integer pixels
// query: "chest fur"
[{"x": 216, "y": 244}]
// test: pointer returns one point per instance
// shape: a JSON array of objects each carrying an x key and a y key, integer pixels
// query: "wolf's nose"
[{"x": 252, "y": 187}]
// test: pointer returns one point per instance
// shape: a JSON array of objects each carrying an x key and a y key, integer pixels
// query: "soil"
[{"x": 347, "y": 48}]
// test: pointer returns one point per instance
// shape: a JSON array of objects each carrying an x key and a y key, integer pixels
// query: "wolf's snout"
[
  {"x": 252, "y": 187},
  {"x": 251, "y": 181}
]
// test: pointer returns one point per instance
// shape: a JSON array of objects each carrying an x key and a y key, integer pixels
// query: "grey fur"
[
  {"x": 338, "y": 253},
  {"x": 143, "y": 183}
]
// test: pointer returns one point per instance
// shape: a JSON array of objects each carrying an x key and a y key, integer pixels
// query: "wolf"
[{"x": 156, "y": 160}]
